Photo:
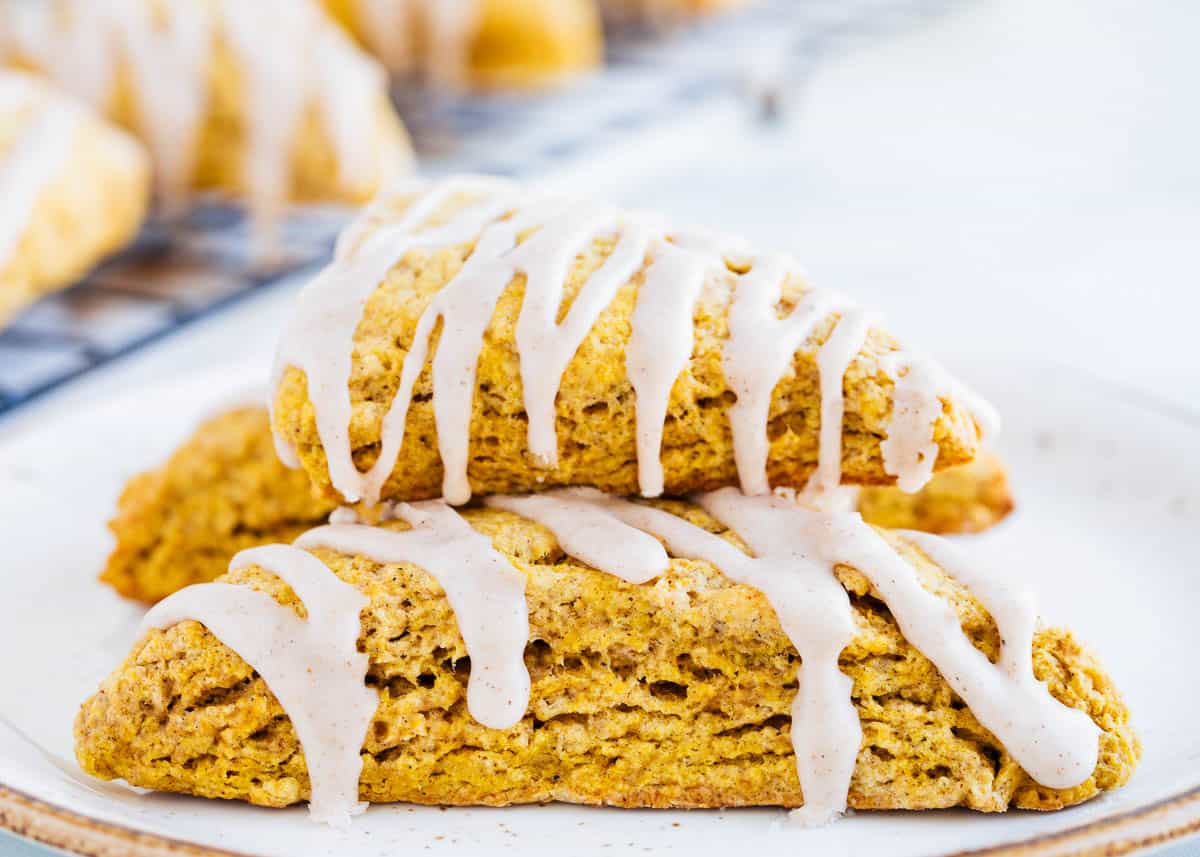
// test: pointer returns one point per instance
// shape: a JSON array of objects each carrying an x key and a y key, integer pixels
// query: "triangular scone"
[
  {"x": 224, "y": 490},
  {"x": 72, "y": 190},
  {"x": 487, "y": 44},
  {"x": 676, "y": 692},
  {"x": 966, "y": 499},
  {"x": 268, "y": 100},
  {"x": 648, "y": 360}
]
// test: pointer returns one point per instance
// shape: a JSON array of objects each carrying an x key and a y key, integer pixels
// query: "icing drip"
[
  {"x": 1056, "y": 745},
  {"x": 289, "y": 56},
  {"x": 760, "y": 349},
  {"x": 387, "y": 28},
  {"x": 909, "y": 450},
  {"x": 450, "y": 26},
  {"x": 312, "y": 666},
  {"x": 34, "y": 159},
  {"x": 589, "y": 533},
  {"x": 660, "y": 345},
  {"x": 812, "y": 607},
  {"x": 795, "y": 553},
  {"x": 833, "y": 360},
  {"x": 540, "y": 240},
  {"x": 167, "y": 56},
  {"x": 318, "y": 336},
  {"x": 485, "y": 591}
]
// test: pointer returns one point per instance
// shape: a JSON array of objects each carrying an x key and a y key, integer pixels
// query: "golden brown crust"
[
  {"x": 966, "y": 499},
  {"x": 596, "y": 403},
  {"x": 93, "y": 206},
  {"x": 674, "y": 693},
  {"x": 222, "y": 491}
]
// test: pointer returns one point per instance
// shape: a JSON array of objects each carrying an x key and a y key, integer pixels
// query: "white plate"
[{"x": 1109, "y": 498}]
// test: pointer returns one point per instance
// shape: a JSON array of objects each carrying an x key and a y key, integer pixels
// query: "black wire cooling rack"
[{"x": 173, "y": 275}]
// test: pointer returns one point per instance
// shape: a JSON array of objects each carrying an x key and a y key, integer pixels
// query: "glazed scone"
[
  {"x": 966, "y": 499},
  {"x": 225, "y": 94},
  {"x": 488, "y": 44},
  {"x": 676, "y": 692},
  {"x": 72, "y": 190},
  {"x": 735, "y": 356},
  {"x": 224, "y": 490}
]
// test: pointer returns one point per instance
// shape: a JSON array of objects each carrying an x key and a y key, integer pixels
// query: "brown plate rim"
[{"x": 75, "y": 833}]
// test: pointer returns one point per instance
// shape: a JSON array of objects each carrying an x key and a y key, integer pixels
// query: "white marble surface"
[{"x": 1018, "y": 179}]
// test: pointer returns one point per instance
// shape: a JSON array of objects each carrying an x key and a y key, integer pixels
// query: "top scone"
[{"x": 540, "y": 342}]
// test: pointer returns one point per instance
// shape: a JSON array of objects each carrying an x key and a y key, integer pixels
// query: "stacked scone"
[{"x": 590, "y": 540}]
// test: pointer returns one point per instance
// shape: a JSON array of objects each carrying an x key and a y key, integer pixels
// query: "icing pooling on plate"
[
  {"x": 541, "y": 239},
  {"x": 288, "y": 54},
  {"x": 793, "y": 556},
  {"x": 35, "y": 158},
  {"x": 312, "y": 665}
]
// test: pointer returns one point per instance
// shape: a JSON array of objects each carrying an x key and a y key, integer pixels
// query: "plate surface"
[{"x": 1106, "y": 533}]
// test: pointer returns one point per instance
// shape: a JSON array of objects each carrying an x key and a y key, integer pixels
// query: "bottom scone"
[
  {"x": 224, "y": 490},
  {"x": 805, "y": 659}
]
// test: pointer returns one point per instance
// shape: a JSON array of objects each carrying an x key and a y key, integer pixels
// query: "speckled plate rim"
[{"x": 1166, "y": 821}]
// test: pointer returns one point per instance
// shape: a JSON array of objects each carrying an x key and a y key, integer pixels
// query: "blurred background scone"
[
  {"x": 490, "y": 44},
  {"x": 72, "y": 190},
  {"x": 267, "y": 101}
]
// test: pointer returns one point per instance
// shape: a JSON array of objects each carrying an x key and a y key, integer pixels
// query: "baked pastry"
[
  {"x": 266, "y": 100},
  {"x": 489, "y": 44},
  {"x": 72, "y": 190},
  {"x": 548, "y": 647},
  {"x": 966, "y": 499},
  {"x": 224, "y": 490},
  {"x": 682, "y": 362}
]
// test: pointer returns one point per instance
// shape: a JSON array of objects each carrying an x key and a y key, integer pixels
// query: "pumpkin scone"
[
  {"x": 267, "y": 101},
  {"x": 471, "y": 337},
  {"x": 966, "y": 499},
  {"x": 571, "y": 646},
  {"x": 478, "y": 44},
  {"x": 224, "y": 490},
  {"x": 72, "y": 190}
]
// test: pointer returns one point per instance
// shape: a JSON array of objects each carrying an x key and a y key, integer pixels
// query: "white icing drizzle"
[
  {"x": 33, "y": 161},
  {"x": 589, "y": 533},
  {"x": 909, "y": 450},
  {"x": 449, "y": 25},
  {"x": 290, "y": 56},
  {"x": 541, "y": 239},
  {"x": 760, "y": 350},
  {"x": 485, "y": 591},
  {"x": 794, "y": 556},
  {"x": 833, "y": 360},
  {"x": 312, "y": 666},
  {"x": 795, "y": 553},
  {"x": 387, "y": 26},
  {"x": 1056, "y": 745},
  {"x": 660, "y": 346}
]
